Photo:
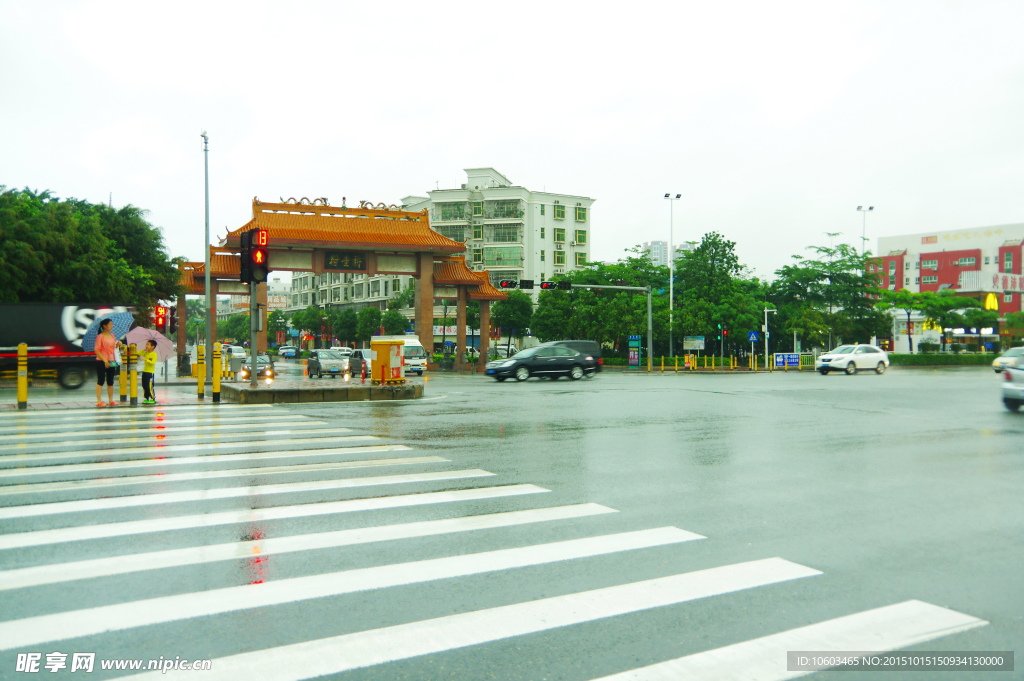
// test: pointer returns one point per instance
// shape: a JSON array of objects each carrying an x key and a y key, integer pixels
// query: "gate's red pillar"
[
  {"x": 425, "y": 304},
  {"x": 485, "y": 331}
]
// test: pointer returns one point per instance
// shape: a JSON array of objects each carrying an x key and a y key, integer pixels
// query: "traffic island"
[{"x": 243, "y": 394}]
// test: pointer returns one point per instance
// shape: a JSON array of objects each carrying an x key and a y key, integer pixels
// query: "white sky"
[{"x": 774, "y": 120}]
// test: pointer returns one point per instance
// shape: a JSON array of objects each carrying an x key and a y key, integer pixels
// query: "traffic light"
[
  {"x": 526, "y": 284},
  {"x": 547, "y": 285},
  {"x": 508, "y": 283},
  {"x": 172, "y": 319},
  {"x": 565, "y": 285},
  {"x": 159, "y": 317},
  {"x": 254, "y": 266},
  {"x": 719, "y": 332},
  {"x": 725, "y": 332}
]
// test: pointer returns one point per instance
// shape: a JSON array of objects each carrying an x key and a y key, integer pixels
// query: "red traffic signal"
[
  {"x": 508, "y": 283},
  {"x": 159, "y": 316},
  {"x": 260, "y": 238},
  {"x": 547, "y": 285},
  {"x": 725, "y": 332}
]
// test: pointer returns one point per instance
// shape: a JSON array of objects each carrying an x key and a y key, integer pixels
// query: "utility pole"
[
  {"x": 766, "y": 311},
  {"x": 864, "y": 227},
  {"x": 206, "y": 256},
  {"x": 671, "y": 273},
  {"x": 254, "y": 327},
  {"x": 650, "y": 323}
]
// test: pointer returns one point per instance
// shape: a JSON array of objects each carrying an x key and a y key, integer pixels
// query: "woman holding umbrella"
[{"x": 106, "y": 362}]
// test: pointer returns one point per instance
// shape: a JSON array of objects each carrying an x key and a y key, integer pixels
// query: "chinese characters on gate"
[{"x": 342, "y": 260}]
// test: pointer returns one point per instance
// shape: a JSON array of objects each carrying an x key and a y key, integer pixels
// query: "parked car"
[
  {"x": 1011, "y": 358},
  {"x": 1013, "y": 388},
  {"x": 543, "y": 360},
  {"x": 264, "y": 367},
  {"x": 229, "y": 351},
  {"x": 288, "y": 351},
  {"x": 851, "y": 358},
  {"x": 502, "y": 350},
  {"x": 356, "y": 361},
  {"x": 328, "y": 363},
  {"x": 592, "y": 348}
]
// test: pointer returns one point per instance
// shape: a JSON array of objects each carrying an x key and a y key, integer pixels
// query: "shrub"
[
  {"x": 928, "y": 347},
  {"x": 939, "y": 359}
]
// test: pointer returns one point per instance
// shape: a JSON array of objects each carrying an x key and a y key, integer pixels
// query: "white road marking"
[
  {"x": 92, "y": 413},
  {"x": 893, "y": 627},
  {"x": 91, "y": 621},
  {"x": 157, "y": 560},
  {"x": 20, "y": 540},
  {"x": 135, "y": 500},
  {"x": 189, "y": 431},
  {"x": 123, "y": 481},
  {"x": 145, "y": 444},
  {"x": 127, "y": 464},
  {"x": 337, "y": 654},
  {"x": 124, "y": 426}
]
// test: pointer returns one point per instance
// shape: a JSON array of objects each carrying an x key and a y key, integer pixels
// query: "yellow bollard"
[
  {"x": 216, "y": 372},
  {"x": 133, "y": 383},
  {"x": 663, "y": 364},
  {"x": 22, "y": 376},
  {"x": 677, "y": 364},
  {"x": 122, "y": 376},
  {"x": 201, "y": 370}
]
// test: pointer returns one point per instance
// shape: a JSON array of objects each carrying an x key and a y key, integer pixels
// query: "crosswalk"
[{"x": 170, "y": 518}]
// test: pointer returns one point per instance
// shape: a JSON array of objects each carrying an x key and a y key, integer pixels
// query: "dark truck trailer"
[{"x": 53, "y": 333}]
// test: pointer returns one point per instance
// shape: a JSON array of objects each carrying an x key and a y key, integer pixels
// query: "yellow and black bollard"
[
  {"x": 216, "y": 372},
  {"x": 133, "y": 383},
  {"x": 201, "y": 369},
  {"x": 22, "y": 376},
  {"x": 122, "y": 376}
]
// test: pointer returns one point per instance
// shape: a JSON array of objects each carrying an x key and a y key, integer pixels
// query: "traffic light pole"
[
  {"x": 254, "y": 322},
  {"x": 650, "y": 325},
  {"x": 206, "y": 256}
]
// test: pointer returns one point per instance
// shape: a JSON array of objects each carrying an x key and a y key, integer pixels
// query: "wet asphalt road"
[{"x": 873, "y": 490}]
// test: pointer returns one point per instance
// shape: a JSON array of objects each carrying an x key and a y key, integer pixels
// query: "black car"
[
  {"x": 544, "y": 360},
  {"x": 592, "y": 348},
  {"x": 264, "y": 367}
]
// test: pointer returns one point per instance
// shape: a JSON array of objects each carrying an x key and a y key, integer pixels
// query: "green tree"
[
  {"x": 513, "y": 315},
  {"x": 404, "y": 299},
  {"x": 276, "y": 321},
  {"x": 907, "y": 302},
  {"x": 552, "y": 317},
  {"x": 394, "y": 322},
  {"x": 977, "y": 318},
  {"x": 235, "y": 327},
  {"x": 368, "y": 323},
  {"x": 945, "y": 310},
  {"x": 67, "y": 251},
  {"x": 473, "y": 321},
  {"x": 345, "y": 324}
]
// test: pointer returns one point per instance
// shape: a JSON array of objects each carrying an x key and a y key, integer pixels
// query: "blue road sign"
[
  {"x": 787, "y": 359},
  {"x": 752, "y": 336}
]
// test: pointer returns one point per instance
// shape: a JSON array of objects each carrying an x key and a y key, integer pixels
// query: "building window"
[
  {"x": 397, "y": 285},
  {"x": 505, "y": 209},
  {"x": 542, "y": 209},
  {"x": 1007, "y": 297},
  {"x": 871, "y": 268},
  {"x": 505, "y": 234},
  {"x": 930, "y": 264},
  {"x": 478, "y": 255},
  {"x": 986, "y": 259},
  {"x": 906, "y": 281},
  {"x": 450, "y": 211},
  {"x": 542, "y": 256},
  {"x": 559, "y": 257},
  {"x": 906, "y": 265},
  {"x": 917, "y": 280},
  {"x": 1007, "y": 262},
  {"x": 543, "y": 276},
  {"x": 375, "y": 288},
  {"x": 335, "y": 295},
  {"x": 454, "y": 233},
  {"x": 559, "y": 235},
  {"x": 581, "y": 214},
  {"x": 965, "y": 262},
  {"x": 559, "y": 211},
  {"x": 295, "y": 300},
  {"x": 541, "y": 232},
  {"x": 917, "y": 265},
  {"x": 581, "y": 237},
  {"x": 581, "y": 259},
  {"x": 305, "y": 299},
  {"x": 478, "y": 231},
  {"x": 503, "y": 256},
  {"x": 933, "y": 279},
  {"x": 478, "y": 208},
  {"x": 892, "y": 268}
]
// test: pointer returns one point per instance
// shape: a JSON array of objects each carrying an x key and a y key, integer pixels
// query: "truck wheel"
[{"x": 72, "y": 377}]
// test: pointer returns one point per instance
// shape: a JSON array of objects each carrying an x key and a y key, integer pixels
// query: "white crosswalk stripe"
[
  {"x": 241, "y": 449},
  {"x": 128, "y": 480},
  {"x": 118, "y": 412},
  {"x": 100, "y": 467}
]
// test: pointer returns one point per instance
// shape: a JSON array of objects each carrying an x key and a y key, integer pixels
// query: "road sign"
[
  {"x": 787, "y": 359},
  {"x": 752, "y": 336}
]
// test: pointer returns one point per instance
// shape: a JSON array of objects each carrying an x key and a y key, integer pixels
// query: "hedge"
[{"x": 941, "y": 359}]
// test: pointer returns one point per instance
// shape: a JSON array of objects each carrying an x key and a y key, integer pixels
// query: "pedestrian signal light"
[
  {"x": 547, "y": 285},
  {"x": 508, "y": 283},
  {"x": 257, "y": 255}
]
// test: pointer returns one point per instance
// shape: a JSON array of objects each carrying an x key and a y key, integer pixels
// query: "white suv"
[{"x": 850, "y": 358}]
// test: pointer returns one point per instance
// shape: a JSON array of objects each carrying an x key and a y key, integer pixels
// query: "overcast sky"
[{"x": 774, "y": 120}]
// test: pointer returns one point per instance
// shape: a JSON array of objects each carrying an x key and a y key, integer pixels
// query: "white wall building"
[
  {"x": 277, "y": 299},
  {"x": 509, "y": 230},
  {"x": 657, "y": 252}
]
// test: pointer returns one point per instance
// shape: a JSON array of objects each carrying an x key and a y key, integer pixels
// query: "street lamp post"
[
  {"x": 206, "y": 256},
  {"x": 864, "y": 226},
  {"x": 671, "y": 274},
  {"x": 766, "y": 311}
]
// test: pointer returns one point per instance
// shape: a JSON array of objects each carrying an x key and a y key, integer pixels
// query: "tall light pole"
[
  {"x": 206, "y": 256},
  {"x": 766, "y": 311},
  {"x": 864, "y": 226},
  {"x": 671, "y": 274}
]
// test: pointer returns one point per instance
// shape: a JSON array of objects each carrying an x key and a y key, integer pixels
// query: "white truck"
[{"x": 415, "y": 353}]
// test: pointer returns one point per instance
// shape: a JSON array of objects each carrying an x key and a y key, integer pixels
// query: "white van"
[{"x": 415, "y": 353}]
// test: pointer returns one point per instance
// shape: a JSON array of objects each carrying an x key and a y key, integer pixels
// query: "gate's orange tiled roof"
[
  {"x": 348, "y": 228},
  {"x": 454, "y": 271},
  {"x": 222, "y": 266}
]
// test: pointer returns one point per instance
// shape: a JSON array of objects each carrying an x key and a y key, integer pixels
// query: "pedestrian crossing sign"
[{"x": 752, "y": 336}]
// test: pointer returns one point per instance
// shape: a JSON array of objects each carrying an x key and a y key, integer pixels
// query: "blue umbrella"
[{"x": 122, "y": 323}]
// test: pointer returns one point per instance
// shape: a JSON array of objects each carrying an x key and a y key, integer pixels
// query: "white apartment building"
[
  {"x": 509, "y": 230},
  {"x": 277, "y": 299},
  {"x": 657, "y": 251},
  {"x": 342, "y": 289}
]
